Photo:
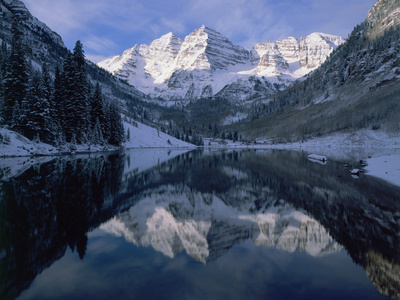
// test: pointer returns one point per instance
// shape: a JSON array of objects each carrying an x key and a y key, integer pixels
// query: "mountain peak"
[
  {"x": 205, "y": 28},
  {"x": 168, "y": 37},
  {"x": 205, "y": 62}
]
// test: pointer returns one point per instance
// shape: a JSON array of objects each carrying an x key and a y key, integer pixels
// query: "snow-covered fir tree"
[
  {"x": 60, "y": 111},
  {"x": 116, "y": 130},
  {"x": 36, "y": 110},
  {"x": 15, "y": 76}
]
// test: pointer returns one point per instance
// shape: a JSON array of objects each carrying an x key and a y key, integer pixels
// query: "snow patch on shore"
[
  {"x": 13, "y": 144},
  {"x": 143, "y": 136},
  {"x": 386, "y": 167}
]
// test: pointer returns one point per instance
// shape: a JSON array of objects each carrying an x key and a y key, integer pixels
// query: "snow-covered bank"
[
  {"x": 144, "y": 136},
  {"x": 13, "y": 144},
  {"x": 360, "y": 139},
  {"x": 366, "y": 139},
  {"x": 386, "y": 167}
]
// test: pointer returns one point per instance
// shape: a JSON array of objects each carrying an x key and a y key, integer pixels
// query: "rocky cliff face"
[
  {"x": 42, "y": 44},
  {"x": 292, "y": 56},
  {"x": 207, "y": 64},
  {"x": 383, "y": 15}
]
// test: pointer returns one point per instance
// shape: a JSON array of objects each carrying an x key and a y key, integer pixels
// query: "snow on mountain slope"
[
  {"x": 205, "y": 48},
  {"x": 383, "y": 15},
  {"x": 206, "y": 64},
  {"x": 292, "y": 57},
  {"x": 159, "y": 55},
  {"x": 143, "y": 136}
]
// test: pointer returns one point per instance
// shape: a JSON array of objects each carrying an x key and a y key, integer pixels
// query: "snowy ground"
[
  {"x": 144, "y": 136},
  {"x": 15, "y": 144},
  {"x": 386, "y": 167}
]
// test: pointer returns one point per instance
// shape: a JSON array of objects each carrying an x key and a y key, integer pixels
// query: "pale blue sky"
[{"x": 108, "y": 27}]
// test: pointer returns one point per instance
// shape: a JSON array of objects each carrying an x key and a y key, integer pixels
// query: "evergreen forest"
[{"x": 59, "y": 107}]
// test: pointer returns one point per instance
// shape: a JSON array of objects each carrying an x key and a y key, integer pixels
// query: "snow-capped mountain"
[{"x": 207, "y": 64}]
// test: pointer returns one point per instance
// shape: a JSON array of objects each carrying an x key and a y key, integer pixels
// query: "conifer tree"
[
  {"x": 97, "y": 108},
  {"x": 66, "y": 97},
  {"x": 17, "y": 122},
  {"x": 15, "y": 77},
  {"x": 81, "y": 93},
  {"x": 97, "y": 134},
  {"x": 58, "y": 95},
  {"x": 116, "y": 129},
  {"x": 36, "y": 110},
  {"x": 3, "y": 59}
]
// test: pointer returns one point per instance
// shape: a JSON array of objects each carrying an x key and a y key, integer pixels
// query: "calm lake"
[{"x": 159, "y": 224}]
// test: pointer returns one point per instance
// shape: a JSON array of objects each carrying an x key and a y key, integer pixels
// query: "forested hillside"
[
  {"x": 66, "y": 110},
  {"x": 356, "y": 88}
]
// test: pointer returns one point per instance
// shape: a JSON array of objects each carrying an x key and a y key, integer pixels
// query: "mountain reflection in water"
[{"x": 200, "y": 203}]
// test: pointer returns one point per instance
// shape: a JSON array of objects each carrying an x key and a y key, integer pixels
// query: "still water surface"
[{"x": 196, "y": 225}]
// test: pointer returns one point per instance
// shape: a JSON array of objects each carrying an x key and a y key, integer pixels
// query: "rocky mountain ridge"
[
  {"x": 42, "y": 44},
  {"x": 383, "y": 15},
  {"x": 207, "y": 64}
]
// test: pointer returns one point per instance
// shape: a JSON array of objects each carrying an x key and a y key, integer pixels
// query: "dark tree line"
[
  {"x": 49, "y": 208},
  {"x": 67, "y": 109}
]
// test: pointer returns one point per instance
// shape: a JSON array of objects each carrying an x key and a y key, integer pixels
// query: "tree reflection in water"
[{"x": 200, "y": 202}]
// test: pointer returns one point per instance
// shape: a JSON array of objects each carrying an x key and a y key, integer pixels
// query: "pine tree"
[
  {"x": 3, "y": 59},
  {"x": 58, "y": 95},
  {"x": 16, "y": 121},
  {"x": 47, "y": 85},
  {"x": 235, "y": 136},
  {"x": 36, "y": 110},
  {"x": 128, "y": 135},
  {"x": 106, "y": 127},
  {"x": 116, "y": 136},
  {"x": 15, "y": 77},
  {"x": 97, "y": 134},
  {"x": 69, "y": 120},
  {"x": 216, "y": 131},
  {"x": 79, "y": 55},
  {"x": 47, "y": 82},
  {"x": 81, "y": 93},
  {"x": 97, "y": 108}
]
